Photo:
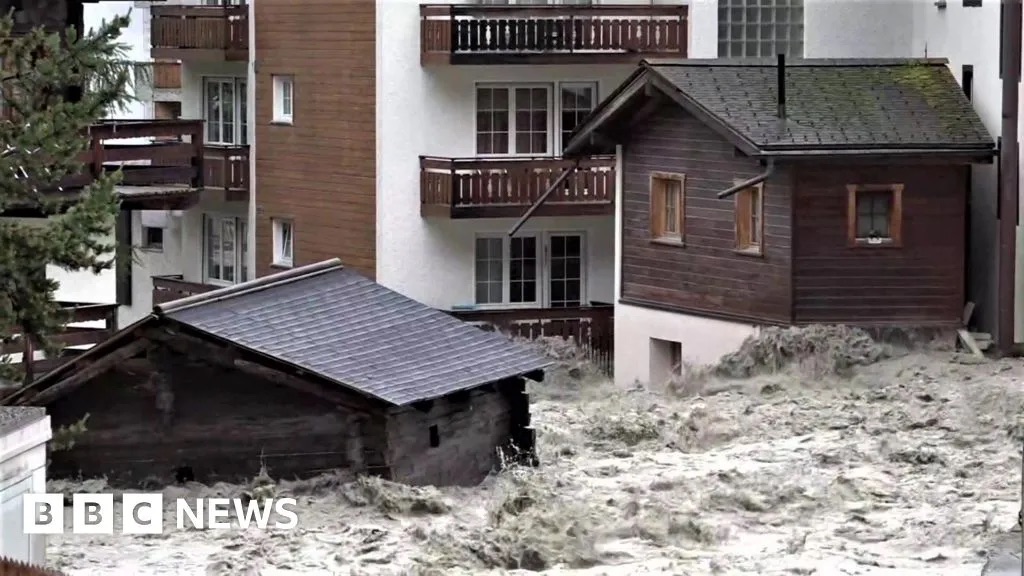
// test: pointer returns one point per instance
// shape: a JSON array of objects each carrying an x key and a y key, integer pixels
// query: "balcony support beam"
[{"x": 543, "y": 198}]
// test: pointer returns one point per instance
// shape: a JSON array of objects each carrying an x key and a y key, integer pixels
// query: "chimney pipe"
[{"x": 782, "y": 85}]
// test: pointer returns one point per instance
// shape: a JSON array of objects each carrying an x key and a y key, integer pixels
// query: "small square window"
[
  {"x": 284, "y": 99},
  {"x": 750, "y": 219},
  {"x": 667, "y": 206},
  {"x": 284, "y": 242},
  {"x": 152, "y": 238},
  {"x": 875, "y": 215}
]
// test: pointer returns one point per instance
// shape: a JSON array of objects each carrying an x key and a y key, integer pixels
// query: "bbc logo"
[{"x": 93, "y": 514}]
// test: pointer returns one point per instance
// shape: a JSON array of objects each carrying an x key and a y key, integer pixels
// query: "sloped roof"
[
  {"x": 851, "y": 105},
  {"x": 346, "y": 328}
]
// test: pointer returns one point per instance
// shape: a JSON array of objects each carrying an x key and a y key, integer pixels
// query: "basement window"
[
  {"x": 435, "y": 437},
  {"x": 750, "y": 220},
  {"x": 152, "y": 238},
  {"x": 875, "y": 215},
  {"x": 668, "y": 208}
]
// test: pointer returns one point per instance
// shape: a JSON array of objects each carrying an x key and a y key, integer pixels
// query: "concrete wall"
[{"x": 22, "y": 470}]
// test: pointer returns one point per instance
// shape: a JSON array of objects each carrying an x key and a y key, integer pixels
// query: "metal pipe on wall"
[{"x": 1009, "y": 185}]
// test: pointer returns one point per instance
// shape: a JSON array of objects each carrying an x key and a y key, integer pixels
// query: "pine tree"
[{"x": 54, "y": 85}]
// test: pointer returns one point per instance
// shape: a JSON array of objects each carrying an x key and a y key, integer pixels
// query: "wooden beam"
[
  {"x": 92, "y": 369},
  {"x": 233, "y": 358}
]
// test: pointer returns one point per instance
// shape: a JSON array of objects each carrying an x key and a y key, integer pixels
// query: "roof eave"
[{"x": 582, "y": 138}]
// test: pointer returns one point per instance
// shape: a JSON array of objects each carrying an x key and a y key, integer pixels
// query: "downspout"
[
  {"x": 1010, "y": 185},
  {"x": 768, "y": 171},
  {"x": 250, "y": 95},
  {"x": 543, "y": 197}
]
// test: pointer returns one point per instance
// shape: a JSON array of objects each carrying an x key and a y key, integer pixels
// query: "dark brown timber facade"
[
  {"x": 317, "y": 173},
  {"x": 764, "y": 217}
]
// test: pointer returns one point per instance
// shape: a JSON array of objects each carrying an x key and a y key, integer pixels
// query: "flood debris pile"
[{"x": 820, "y": 350}]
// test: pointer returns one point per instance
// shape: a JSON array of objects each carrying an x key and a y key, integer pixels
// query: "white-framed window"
[
  {"x": 530, "y": 270},
  {"x": 223, "y": 2},
  {"x": 284, "y": 241},
  {"x": 760, "y": 28},
  {"x": 226, "y": 111},
  {"x": 284, "y": 98},
  {"x": 226, "y": 249},
  {"x": 525, "y": 120}
]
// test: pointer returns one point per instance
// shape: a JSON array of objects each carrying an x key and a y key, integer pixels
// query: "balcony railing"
[
  {"x": 590, "y": 327},
  {"x": 200, "y": 32},
  {"x": 511, "y": 34},
  {"x": 105, "y": 314},
  {"x": 166, "y": 163},
  {"x": 227, "y": 168},
  {"x": 168, "y": 288},
  {"x": 503, "y": 188}
]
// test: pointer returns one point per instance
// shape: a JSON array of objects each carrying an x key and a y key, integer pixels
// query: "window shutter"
[{"x": 744, "y": 208}]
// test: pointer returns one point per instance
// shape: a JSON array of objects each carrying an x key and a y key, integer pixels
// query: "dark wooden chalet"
[
  {"x": 819, "y": 192},
  {"x": 309, "y": 370}
]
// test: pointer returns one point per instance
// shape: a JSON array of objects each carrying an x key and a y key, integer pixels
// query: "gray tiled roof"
[
  {"x": 834, "y": 103},
  {"x": 351, "y": 330}
]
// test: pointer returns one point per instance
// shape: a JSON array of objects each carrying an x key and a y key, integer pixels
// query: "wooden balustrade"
[
  {"x": 227, "y": 168},
  {"x": 590, "y": 327},
  {"x": 169, "y": 288},
  {"x": 71, "y": 336},
  {"x": 552, "y": 34},
  {"x": 506, "y": 187},
  {"x": 208, "y": 33},
  {"x": 167, "y": 75}
]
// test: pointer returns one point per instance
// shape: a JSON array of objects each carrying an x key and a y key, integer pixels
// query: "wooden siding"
[
  {"x": 143, "y": 428},
  {"x": 918, "y": 283},
  {"x": 319, "y": 172},
  {"x": 706, "y": 275}
]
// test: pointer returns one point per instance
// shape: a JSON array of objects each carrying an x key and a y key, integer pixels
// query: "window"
[
  {"x": 874, "y": 215},
  {"x": 523, "y": 119},
  {"x": 577, "y": 102},
  {"x": 435, "y": 436},
  {"x": 152, "y": 238},
  {"x": 226, "y": 111},
  {"x": 284, "y": 242},
  {"x": 511, "y": 271},
  {"x": 760, "y": 28},
  {"x": 750, "y": 219},
  {"x": 284, "y": 95},
  {"x": 972, "y": 3},
  {"x": 227, "y": 249},
  {"x": 667, "y": 206}
]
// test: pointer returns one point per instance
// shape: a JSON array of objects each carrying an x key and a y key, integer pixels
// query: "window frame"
[
  {"x": 280, "y": 116},
  {"x": 241, "y": 248},
  {"x": 743, "y": 224},
  {"x": 554, "y": 113},
  {"x": 895, "y": 238},
  {"x": 156, "y": 246},
  {"x": 240, "y": 122},
  {"x": 277, "y": 228},
  {"x": 657, "y": 208},
  {"x": 543, "y": 276}
]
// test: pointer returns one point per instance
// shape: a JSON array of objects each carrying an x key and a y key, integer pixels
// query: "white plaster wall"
[
  {"x": 703, "y": 340},
  {"x": 431, "y": 111},
  {"x": 22, "y": 470},
  {"x": 862, "y": 29}
]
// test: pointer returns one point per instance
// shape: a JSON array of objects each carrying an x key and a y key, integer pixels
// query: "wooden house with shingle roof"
[
  {"x": 309, "y": 370},
  {"x": 758, "y": 193}
]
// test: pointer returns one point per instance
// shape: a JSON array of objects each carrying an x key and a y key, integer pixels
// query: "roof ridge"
[
  {"x": 248, "y": 287},
  {"x": 796, "y": 62}
]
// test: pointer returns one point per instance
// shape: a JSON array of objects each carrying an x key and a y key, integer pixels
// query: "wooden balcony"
[
  {"x": 507, "y": 187},
  {"x": 167, "y": 75},
  {"x": 168, "y": 288},
  {"x": 227, "y": 168},
  {"x": 200, "y": 33},
  {"x": 71, "y": 336},
  {"x": 590, "y": 327},
  {"x": 553, "y": 34}
]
